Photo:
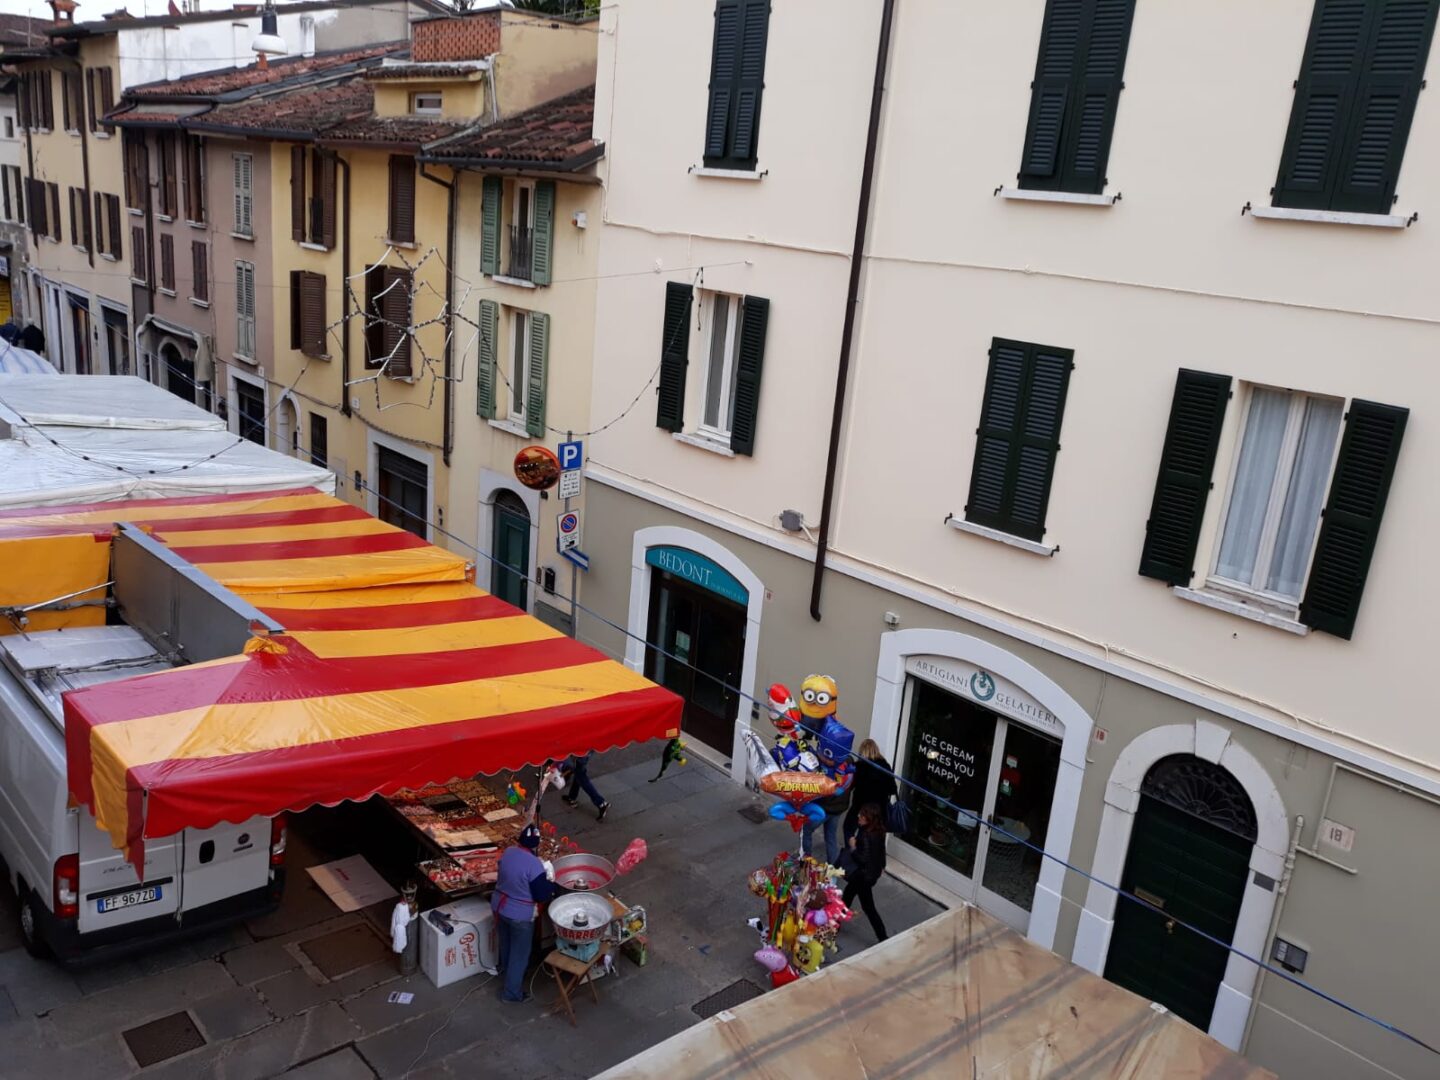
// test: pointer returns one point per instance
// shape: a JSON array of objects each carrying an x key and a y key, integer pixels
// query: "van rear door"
[
  {"x": 224, "y": 861},
  {"x": 110, "y": 893}
]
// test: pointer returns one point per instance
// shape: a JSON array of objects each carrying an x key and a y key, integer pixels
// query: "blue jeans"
[
  {"x": 580, "y": 780},
  {"x": 516, "y": 936},
  {"x": 832, "y": 837}
]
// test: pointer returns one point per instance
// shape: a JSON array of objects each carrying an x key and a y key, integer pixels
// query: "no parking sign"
[{"x": 568, "y": 530}]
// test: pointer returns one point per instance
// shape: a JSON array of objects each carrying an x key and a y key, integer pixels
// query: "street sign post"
[{"x": 567, "y": 530}]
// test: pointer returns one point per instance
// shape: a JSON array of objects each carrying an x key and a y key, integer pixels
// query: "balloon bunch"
[{"x": 804, "y": 913}]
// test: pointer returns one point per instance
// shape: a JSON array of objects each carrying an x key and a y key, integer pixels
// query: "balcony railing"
[{"x": 522, "y": 250}]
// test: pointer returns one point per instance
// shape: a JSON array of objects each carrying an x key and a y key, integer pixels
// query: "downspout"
[
  {"x": 447, "y": 406},
  {"x": 344, "y": 291},
  {"x": 857, "y": 254}
]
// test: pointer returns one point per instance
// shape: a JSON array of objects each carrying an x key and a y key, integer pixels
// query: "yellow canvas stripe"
[
  {"x": 412, "y": 566},
  {"x": 447, "y": 637},
  {"x": 250, "y": 727},
  {"x": 323, "y": 530},
  {"x": 120, "y": 512},
  {"x": 377, "y": 596},
  {"x": 107, "y": 778}
]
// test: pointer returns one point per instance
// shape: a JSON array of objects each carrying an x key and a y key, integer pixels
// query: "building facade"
[{"x": 1131, "y": 445}]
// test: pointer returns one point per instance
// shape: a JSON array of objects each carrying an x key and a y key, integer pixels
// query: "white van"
[{"x": 78, "y": 896}]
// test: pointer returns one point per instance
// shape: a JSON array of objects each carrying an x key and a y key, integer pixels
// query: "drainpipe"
[
  {"x": 1281, "y": 891},
  {"x": 344, "y": 290},
  {"x": 857, "y": 254},
  {"x": 447, "y": 439}
]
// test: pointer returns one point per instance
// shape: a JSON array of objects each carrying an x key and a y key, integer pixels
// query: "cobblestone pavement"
[{"x": 264, "y": 1009}]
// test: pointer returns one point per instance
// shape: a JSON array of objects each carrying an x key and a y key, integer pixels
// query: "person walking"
[
  {"x": 578, "y": 768},
  {"x": 867, "y": 863},
  {"x": 874, "y": 783},
  {"x": 521, "y": 886}
]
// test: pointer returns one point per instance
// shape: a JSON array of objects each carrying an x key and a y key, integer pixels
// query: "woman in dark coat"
[
  {"x": 867, "y": 863},
  {"x": 873, "y": 784}
]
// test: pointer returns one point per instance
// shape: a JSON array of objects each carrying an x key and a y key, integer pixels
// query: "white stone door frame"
[
  {"x": 491, "y": 484},
  {"x": 1213, "y": 743},
  {"x": 897, "y": 646},
  {"x": 639, "y": 617}
]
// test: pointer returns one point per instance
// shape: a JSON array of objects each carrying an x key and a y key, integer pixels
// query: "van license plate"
[{"x": 128, "y": 899}]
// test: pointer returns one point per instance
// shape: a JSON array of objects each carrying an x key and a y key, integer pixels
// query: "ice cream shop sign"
[{"x": 984, "y": 688}]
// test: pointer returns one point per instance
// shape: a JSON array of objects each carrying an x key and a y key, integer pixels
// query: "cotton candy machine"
[
  {"x": 581, "y": 920},
  {"x": 583, "y": 872}
]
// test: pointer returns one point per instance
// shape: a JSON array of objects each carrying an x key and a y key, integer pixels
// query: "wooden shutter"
[
  {"x": 90, "y": 94},
  {"x": 169, "y": 194},
  {"x": 112, "y": 206},
  {"x": 543, "y": 233},
  {"x": 1018, "y": 437},
  {"x": 674, "y": 355},
  {"x": 750, "y": 357},
  {"x": 200, "y": 270},
  {"x": 74, "y": 219},
  {"x": 167, "y": 261},
  {"x": 485, "y": 374},
  {"x": 296, "y": 335},
  {"x": 106, "y": 78},
  {"x": 1351, "y": 522},
  {"x": 1361, "y": 75},
  {"x": 1187, "y": 461},
  {"x": 66, "y": 97},
  {"x": 54, "y": 190},
  {"x": 297, "y": 193},
  {"x": 491, "y": 190},
  {"x": 402, "y": 199},
  {"x": 1075, "y": 94},
  {"x": 535, "y": 375},
  {"x": 395, "y": 305},
  {"x": 100, "y": 220},
  {"x": 35, "y": 196},
  {"x": 244, "y": 204},
  {"x": 326, "y": 195},
  {"x": 737, "y": 82},
  {"x": 139, "y": 254},
  {"x": 47, "y": 95},
  {"x": 312, "y": 314}
]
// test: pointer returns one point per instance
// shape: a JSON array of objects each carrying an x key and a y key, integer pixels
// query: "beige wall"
[
  {"x": 541, "y": 59},
  {"x": 460, "y": 99}
]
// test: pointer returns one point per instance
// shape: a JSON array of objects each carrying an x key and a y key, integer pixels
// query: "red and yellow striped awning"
[{"x": 393, "y": 671}]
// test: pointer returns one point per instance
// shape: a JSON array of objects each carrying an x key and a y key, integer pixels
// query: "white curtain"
[
  {"x": 1305, "y": 497},
  {"x": 1254, "y": 482}
]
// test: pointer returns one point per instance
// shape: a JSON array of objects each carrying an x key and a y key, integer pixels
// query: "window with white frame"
[
  {"x": 426, "y": 103},
  {"x": 1282, "y": 473},
  {"x": 519, "y": 372},
  {"x": 244, "y": 169},
  {"x": 722, "y": 347},
  {"x": 245, "y": 310}
]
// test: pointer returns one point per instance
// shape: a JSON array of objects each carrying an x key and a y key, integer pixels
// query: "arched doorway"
[
  {"x": 510, "y": 546},
  {"x": 179, "y": 373},
  {"x": 287, "y": 428},
  {"x": 1189, "y": 858}
]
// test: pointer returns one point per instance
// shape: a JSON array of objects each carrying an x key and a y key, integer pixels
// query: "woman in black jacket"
[
  {"x": 867, "y": 863},
  {"x": 873, "y": 784}
]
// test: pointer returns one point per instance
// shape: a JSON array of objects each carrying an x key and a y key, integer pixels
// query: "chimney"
[
  {"x": 64, "y": 10},
  {"x": 307, "y": 35}
]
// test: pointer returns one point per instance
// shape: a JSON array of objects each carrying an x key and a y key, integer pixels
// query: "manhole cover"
[
  {"x": 757, "y": 814},
  {"x": 737, "y": 993},
  {"x": 344, "y": 951},
  {"x": 163, "y": 1039}
]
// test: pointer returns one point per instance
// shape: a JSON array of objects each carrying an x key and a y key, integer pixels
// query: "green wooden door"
[
  {"x": 1195, "y": 871},
  {"x": 510, "y": 570}
]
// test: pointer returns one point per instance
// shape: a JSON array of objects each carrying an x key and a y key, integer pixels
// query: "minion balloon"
[{"x": 819, "y": 700}]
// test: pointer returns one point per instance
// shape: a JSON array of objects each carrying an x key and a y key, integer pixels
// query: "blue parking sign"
[{"x": 571, "y": 454}]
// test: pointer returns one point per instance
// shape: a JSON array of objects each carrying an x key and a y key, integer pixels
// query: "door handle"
[{"x": 1170, "y": 926}]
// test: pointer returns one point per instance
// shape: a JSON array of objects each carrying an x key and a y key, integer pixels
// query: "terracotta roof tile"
[
  {"x": 304, "y": 111},
  {"x": 409, "y": 130},
  {"x": 557, "y": 134},
  {"x": 228, "y": 80}
]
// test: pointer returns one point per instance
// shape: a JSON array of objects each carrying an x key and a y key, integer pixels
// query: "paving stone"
[
  {"x": 35, "y": 986},
  {"x": 139, "y": 1001},
  {"x": 343, "y": 1064},
  {"x": 393, "y": 1052},
  {"x": 251, "y": 963},
  {"x": 273, "y": 1049},
  {"x": 39, "y": 1054},
  {"x": 296, "y": 991},
  {"x": 231, "y": 1013},
  {"x": 372, "y": 1010}
]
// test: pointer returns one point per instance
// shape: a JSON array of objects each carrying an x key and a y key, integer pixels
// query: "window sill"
[
  {"x": 1234, "y": 606},
  {"x": 200, "y": 303},
  {"x": 167, "y": 218},
  {"x": 167, "y": 292},
  {"x": 248, "y": 360},
  {"x": 108, "y": 257},
  {"x": 511, "y": 427},
  {"x": 315, "y": 356},
  {"x": 195, "y": 224},
  {"x": 243, "y": 236},
  {"x": 308, "y": 246},
  {"x": 703, "y": 442},
  {"x": 73, "y": 131},
  {"x": 408, "y": 245},
  {"x": 139, "y": 281},
  {"x": 101, "y": 134},
  {"x": 1075, "y": 197},
  {"x": 521, "y": 282},
  {"x": 727, "y": 174},
  {"x": 1331, "y": 217},
  {"x": 1032, "y": 546},
  {"x": 133, "y": 212}
]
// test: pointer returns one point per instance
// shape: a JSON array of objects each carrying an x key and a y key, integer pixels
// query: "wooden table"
[{"x": 569, "y": 972}]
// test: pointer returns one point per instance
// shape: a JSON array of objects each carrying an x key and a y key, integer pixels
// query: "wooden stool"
[{"x": 568, "y": 973}]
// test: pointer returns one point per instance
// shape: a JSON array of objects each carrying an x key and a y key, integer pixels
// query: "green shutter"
[
  {"x": 1187, "y": 461},
  {"x": 1018, "y": 437},
  {"x": 754, "y": 317},
  {"x": 485, "y": 374},
  {"x": 674, "y": 356},
  {"x": 490, "y": 191},
  {"x": 737, "y": 82},
  {"x": 535, "y": 375},
  {"x": 544, "y": 232},
  {"x": 1351, "y": 523}
]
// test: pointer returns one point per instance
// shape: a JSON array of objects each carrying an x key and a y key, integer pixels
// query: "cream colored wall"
[
  {"x": 785, "y": 237},
  {"x": 540, "y": 59},
  {"x": 569, "y": 300},
  {"x": 1172, "y": 276},
  {"x": 460, "y": 100}
]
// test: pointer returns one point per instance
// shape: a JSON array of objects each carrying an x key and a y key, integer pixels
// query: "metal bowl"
[
  {"x": 580, "y": 917},
  {"x": 583, "y": 872}
]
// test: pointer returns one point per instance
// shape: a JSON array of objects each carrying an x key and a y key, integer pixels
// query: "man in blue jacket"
[{"x": 520, "y": 888}]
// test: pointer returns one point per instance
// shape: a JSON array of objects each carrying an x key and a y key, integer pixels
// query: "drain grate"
[
  {"x": 758, "y": 814},
  {"x": 344, "y": 951},
  {"x": 737, "y": 993},
  {"x": 163, "y": 1039}
]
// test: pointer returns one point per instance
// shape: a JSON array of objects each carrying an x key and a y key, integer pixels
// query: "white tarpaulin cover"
[
  {"x": 17, "y": 361},
  {"x": 146, "y": 444}
]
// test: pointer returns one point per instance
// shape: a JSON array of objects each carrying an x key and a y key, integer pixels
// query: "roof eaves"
[{"x": 481, "y": 164}]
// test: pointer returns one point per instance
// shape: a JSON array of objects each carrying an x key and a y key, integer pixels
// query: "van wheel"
[{"x": 30, "y": 928}]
